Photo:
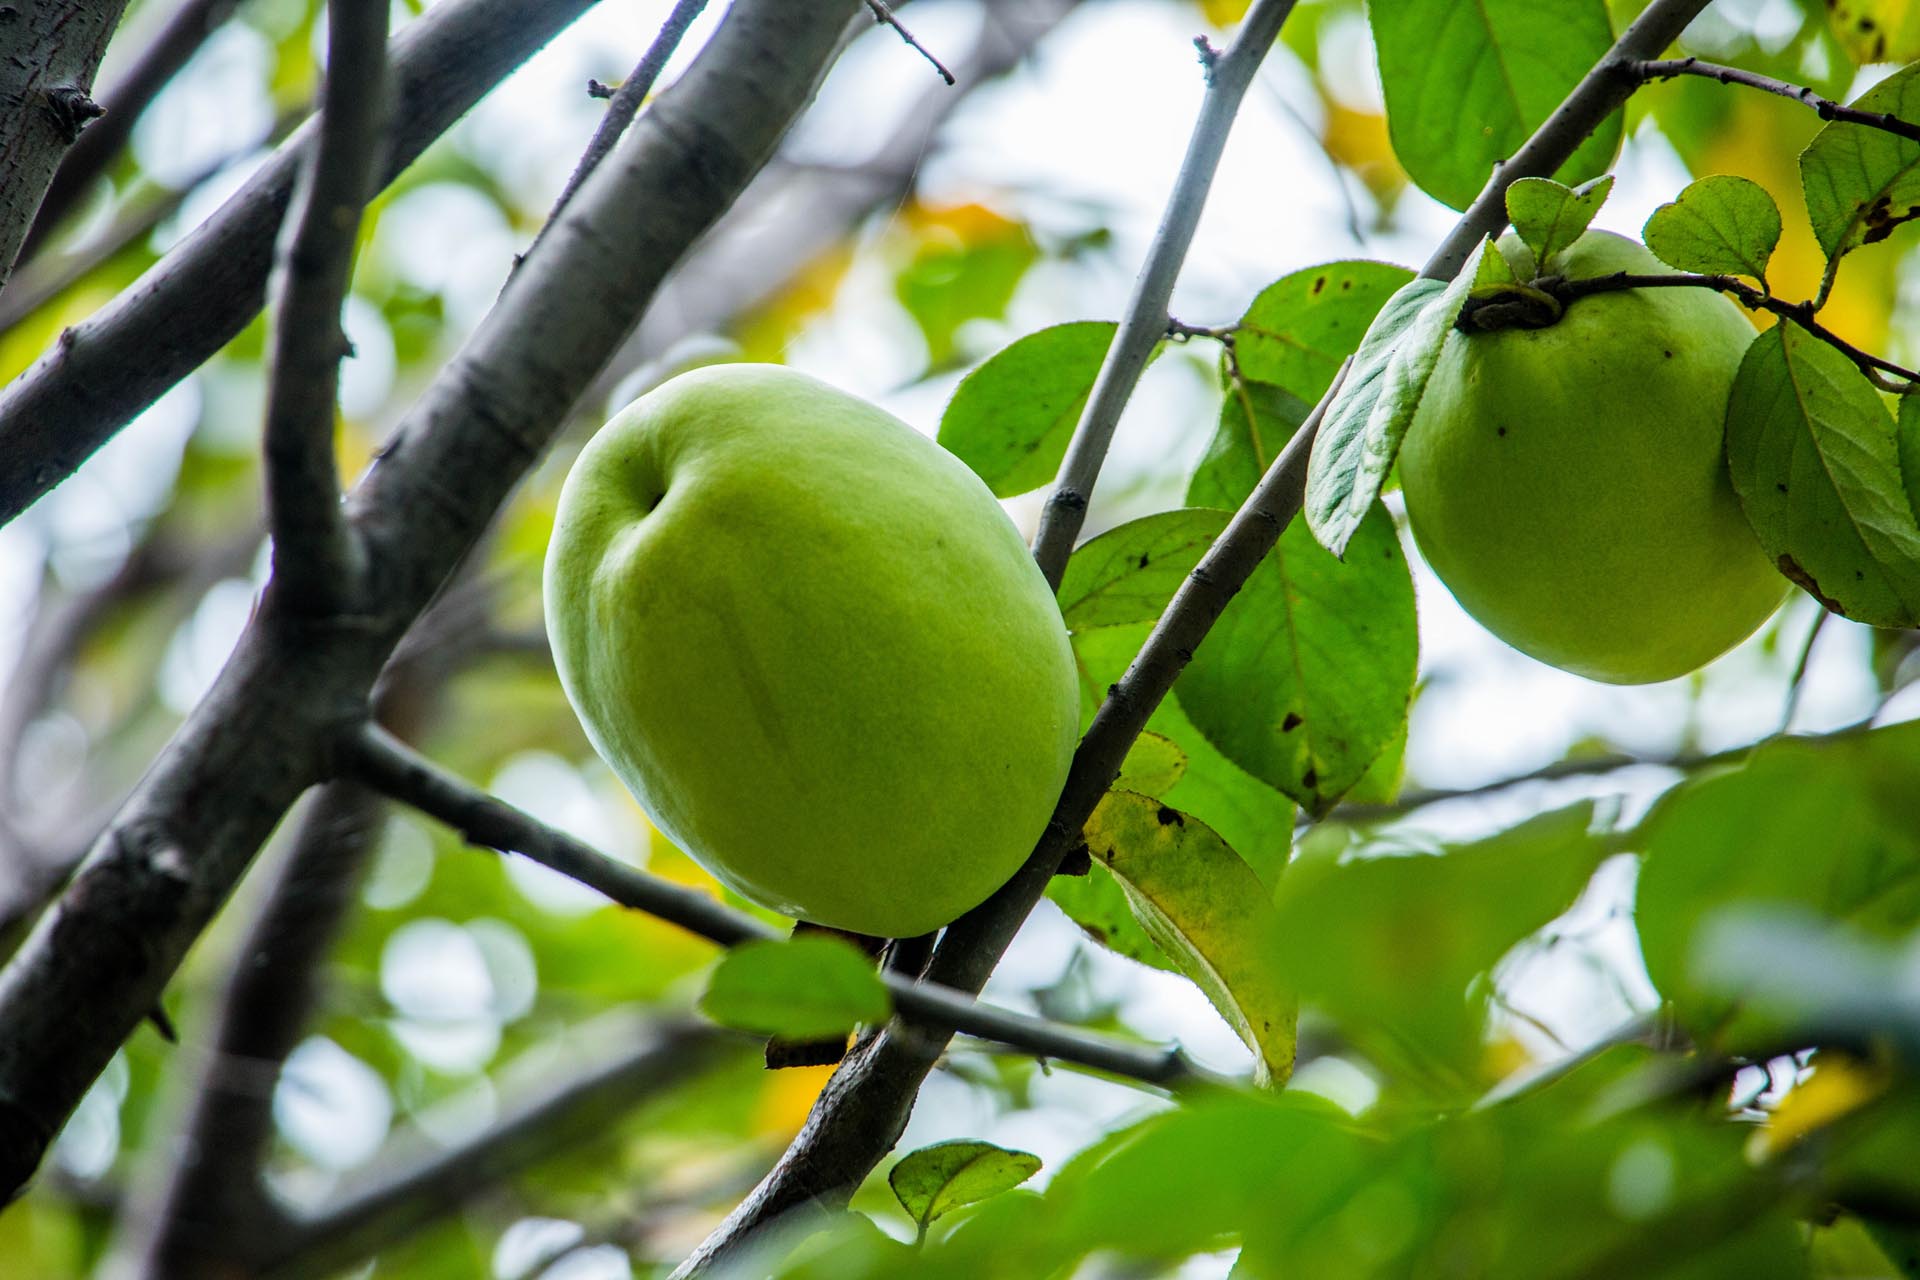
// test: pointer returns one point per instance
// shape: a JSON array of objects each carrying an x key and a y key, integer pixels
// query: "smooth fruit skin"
[
  {"x": 1568, "y": 484},
  {"x": 814, "y": 647}
]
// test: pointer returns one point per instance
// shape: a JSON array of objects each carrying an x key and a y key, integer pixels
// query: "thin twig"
[
  {"x": 1825, "y": 108},
  {"x": 1800, "y": 313},
  {"x": 624, "y": 103},
  {"x": 1145, "y": 322},
  {"x": 883, "y": 15},
  {"x": 382, "y": 761},
  {"x": 316, "y": 557},
  {"x": 1797, "y": 681},
  {"x": 1581, "y": 767}
]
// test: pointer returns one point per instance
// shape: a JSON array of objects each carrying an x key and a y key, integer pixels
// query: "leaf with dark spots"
[
  {"x": 1291, "y": 722},
  {"x": 1168, "y": 817}
]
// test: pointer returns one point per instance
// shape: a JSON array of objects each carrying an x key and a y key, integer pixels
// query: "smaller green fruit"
[
  {"x": 813, "y": 646},
  {"x": 1568, "y": 483}
]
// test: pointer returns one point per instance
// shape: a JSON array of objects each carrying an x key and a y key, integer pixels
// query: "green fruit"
[
  {"x": 1568, "y": 483},
  {"x": 813, "y": 646}
]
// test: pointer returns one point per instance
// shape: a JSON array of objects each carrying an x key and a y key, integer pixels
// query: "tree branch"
[
  {"x": 1826, "y": 108},
  {"x": 97, "y": 961},
  {"x": 198, "y": 1201},
  {"x": 1597, "y": 96},
  {"x": 1800, "y": 313},
  {"x": 315, "y": 558},
  {"x": 383, "y": 762},
  {"x": 862, "y": 1111},
  {"x": 46, "y": 275},
  {"x": 159, "y": 60},
  {"x": 53, "y": 50},
  {"x": 1145, "y": 322},
  {"x": 422, "y": 1180},
  {"x": 883, "y": 15},
  {"x": 624, "y": 105},
  {"x": 793, "y": 213},
  {"x": 107, "y": 369}
]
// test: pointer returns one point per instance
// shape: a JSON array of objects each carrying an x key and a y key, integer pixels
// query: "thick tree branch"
[
  {"x": 107, "y": 369},
  {"x": 158, "y": 61},
  {"x": 383, "y": 762},
  {"x": 52, "y": 50},
  {"x": 98, "y": 960},
  {"x": 862, "y": 1111},
  {"x": 45, "y": 276},
  {"x": 624, "y": 105},
  {"x": 315, "y": 558},
  {"x": 1825, "y": 108},
  {"x": 793, "y": 214},
  {"x": 1145, "y": 321},
  {"x": 199, "y": 1201}
]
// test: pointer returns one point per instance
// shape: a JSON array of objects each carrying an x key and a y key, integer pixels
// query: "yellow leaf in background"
[
  {"x": 1838, "y": 1085},
  {"x": 959, "y": 225},
  {"x": 765, "y": 332},
  {"x": 1358, "y": 140},
  {"x": 1224, "y": 13},
  {"x": 1762, "y": 140},
  {"x": 785, "y": 1101},
  {"x": 1877, "y": 30}
]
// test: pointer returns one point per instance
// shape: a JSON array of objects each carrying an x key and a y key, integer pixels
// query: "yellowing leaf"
[
  {"x": 1877, "y": 30},
  {"x": 765, "y": 332},
  {"x": 1224, "y": 13},
  {"x": 1208, "y": 911},
  {"x": 1761, "y": 140},
  {"x": 1839, "y": 1085}
]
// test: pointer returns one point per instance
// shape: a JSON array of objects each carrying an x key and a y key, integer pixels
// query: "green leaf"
[
  {"x": 1127, "y": 574},
  {"x": 1466, "y": 84},
  {"x": 1813, "y": 457},
  {"x": 934, "y": 1181},
  {"x": 1307, "y": 675},
  {"x": 1907, "y": 428},
  {"x": 1256, "y": 420},
  {"x": 1098, "y": 904},
  {"x": 802, "y": 988},
  {"x": 1208, "y": 911},
  {"x": 1012, "y": 418},
  {"x": 1114, "y": 589},
  {"x": 1719, "y": 225},
  {"x": 1390, "y": 945},
  {"x": 949, "y": 283},
  {"x": 1364, "y": 426},
  {"x": 1300, "y": 327},
  {"x": 1154, "y": 762},
  {"x": 1900, "y": 1242},
  {"x": 1550, "y": 215},
  {"x": 1861, "y": 183},
  {"x": 1828, "y": 827}
]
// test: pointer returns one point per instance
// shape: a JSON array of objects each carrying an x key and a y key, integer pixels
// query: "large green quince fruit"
[
  {"x": 813, "y": 646},
  {"x": 1568, "y": 485}
]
